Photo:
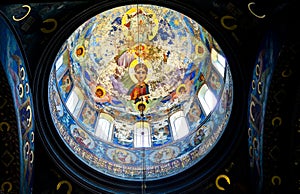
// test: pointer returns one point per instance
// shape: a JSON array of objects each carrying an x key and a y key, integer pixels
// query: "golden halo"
[
  {"x": 139, "y": 104},
  {"x": 132, "y": 72},
  {"x": 79, "y": 51},
  {"x": 100, "y": 92},
  {"x": 179, "y": 88}
]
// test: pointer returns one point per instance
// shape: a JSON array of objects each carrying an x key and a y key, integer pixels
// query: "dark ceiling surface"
[{"x": 242, "y": 32}]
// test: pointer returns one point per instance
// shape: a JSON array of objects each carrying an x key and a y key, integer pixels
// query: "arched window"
[
  {"x": 60, "y": 67},
  {"x": 179, "y": 125},
  {"x": 104, "y": 127},
  {"x": 142, "y": 136},
  {"x": 207, "y": 99},
  {"x": 218, "y": 61},
  {"x": 75, "y": 102}
]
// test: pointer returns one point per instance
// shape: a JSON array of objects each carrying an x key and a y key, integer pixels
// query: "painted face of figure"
[
  {"x": 182, "y": 90},
  {"x": 66, "y": 83},
  {"x": 141, "y": 73},
  {"x": 99, "y": 93},
  {"x": 141, "y": 107},
  {"x": 214, "y": 81},
  {"x": 79, "y": 51}
]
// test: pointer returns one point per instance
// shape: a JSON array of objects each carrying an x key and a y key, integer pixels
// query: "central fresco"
[{"x": 140, "y": 92}]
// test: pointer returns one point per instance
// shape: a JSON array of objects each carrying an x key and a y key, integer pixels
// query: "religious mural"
[
  {"x": 142, "y": 92},
  {"x": 130, "y": 83}
]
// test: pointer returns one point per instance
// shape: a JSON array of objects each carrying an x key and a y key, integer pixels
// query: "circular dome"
[{"x": 140, "y": 92}]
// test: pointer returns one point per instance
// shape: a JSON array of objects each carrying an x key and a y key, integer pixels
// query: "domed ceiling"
[{"x": 140, "y": 92}]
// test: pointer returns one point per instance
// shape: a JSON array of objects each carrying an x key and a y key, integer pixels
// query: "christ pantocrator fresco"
[{"x": 135, "y": 58}]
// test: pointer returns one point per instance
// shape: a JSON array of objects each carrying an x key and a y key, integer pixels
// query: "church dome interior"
[
  {"x": 141, "y": 87},
  {"x": 149, "y": 96}
]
